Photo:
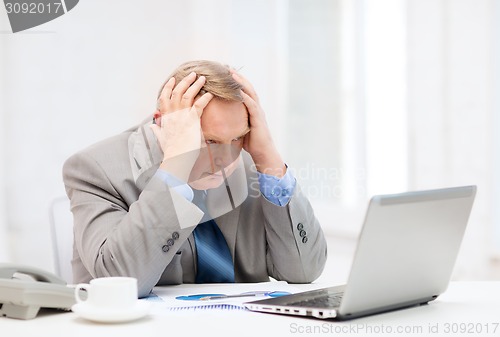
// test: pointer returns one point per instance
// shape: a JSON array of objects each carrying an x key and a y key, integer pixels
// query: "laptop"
[{"x": 405, "y": 257}]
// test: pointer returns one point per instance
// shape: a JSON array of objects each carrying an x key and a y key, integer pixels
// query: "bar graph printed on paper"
[{"x": 228, "y": 307}]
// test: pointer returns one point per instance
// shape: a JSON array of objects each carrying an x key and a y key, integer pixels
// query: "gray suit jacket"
[{"x": 127, "y": 222}]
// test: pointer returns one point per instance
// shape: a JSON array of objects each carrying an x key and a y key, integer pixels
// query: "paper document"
[{"x": 170, "y": 295}]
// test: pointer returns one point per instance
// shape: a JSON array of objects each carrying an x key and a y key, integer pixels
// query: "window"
[{"x": 346, "y": 115}]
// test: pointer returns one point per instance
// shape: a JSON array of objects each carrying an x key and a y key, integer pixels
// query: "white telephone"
[{"x": 24, "y": 290}]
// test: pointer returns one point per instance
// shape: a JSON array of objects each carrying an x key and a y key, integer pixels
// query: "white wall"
[{"x": 95, "y": 72}]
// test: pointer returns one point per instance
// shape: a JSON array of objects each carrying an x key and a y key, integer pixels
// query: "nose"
[{"x": 224, "y": 155}]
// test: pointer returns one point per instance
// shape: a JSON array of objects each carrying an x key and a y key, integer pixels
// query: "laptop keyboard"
[{"x": 326, "y": 301}]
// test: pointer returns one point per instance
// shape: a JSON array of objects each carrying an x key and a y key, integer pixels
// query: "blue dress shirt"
[{"x": 276, "y": 190}]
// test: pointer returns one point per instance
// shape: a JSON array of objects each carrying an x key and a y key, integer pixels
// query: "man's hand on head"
[
  {"x": 258, "y": 142},
  {"x": 178, "y": 129}
]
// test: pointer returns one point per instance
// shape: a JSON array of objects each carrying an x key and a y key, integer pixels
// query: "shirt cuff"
[
  {"x": 276, "y": 190},
  {"x": 177, "y": 185}
]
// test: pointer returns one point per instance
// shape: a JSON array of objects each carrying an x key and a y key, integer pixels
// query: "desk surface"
[{"x": 465, "y": 309}]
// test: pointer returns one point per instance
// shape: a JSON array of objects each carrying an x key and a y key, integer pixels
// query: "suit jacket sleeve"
[
  {"x": 117, "y": 237},
  {"x": 296, "y": 245}
]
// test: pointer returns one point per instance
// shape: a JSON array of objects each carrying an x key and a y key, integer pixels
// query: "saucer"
[{"x": 84, "y": 310}]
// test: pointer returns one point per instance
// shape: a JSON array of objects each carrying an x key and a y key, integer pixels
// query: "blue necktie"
[{"x": 215, "y": 264}]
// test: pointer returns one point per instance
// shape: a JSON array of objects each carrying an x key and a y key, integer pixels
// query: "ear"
[{"x": 157, "y": 118}]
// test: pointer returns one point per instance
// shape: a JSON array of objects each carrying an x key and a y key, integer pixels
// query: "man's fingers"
[
  {"x": 250, "y": 103},
  {"x": 202, "y": 102},
  {"x": 247, "y": 86},
  {"x": 192, "y": 91},
  {"x": 167, "y": 88},
  {"x": 165, "y": 94},
  {"x": 183, "y": 85}
]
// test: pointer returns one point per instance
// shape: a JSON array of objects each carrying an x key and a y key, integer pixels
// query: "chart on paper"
[{"x": 212, "y": 297}]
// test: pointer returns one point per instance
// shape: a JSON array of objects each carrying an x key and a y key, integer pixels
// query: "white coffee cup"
[{"x": 109, "y": 292}]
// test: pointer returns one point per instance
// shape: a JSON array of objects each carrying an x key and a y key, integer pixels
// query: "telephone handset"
[{"x": 24, "y": 290}]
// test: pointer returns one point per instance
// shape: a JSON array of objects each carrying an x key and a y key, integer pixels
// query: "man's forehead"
[{"x": 221, "y": 120}]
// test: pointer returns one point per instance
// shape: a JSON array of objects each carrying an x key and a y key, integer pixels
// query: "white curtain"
[
  {"x": 496, "y": 125},
  {"x": 451, "y": 112},
  {"x": 4, "y": 253}
]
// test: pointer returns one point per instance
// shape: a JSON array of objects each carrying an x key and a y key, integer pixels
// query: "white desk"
[{"x": 466, "y": 309}]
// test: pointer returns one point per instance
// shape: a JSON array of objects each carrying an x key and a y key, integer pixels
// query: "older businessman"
[{"x": 196, "y": 193}]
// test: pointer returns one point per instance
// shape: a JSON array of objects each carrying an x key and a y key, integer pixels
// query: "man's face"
[{"x": 224, "y": 125}]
